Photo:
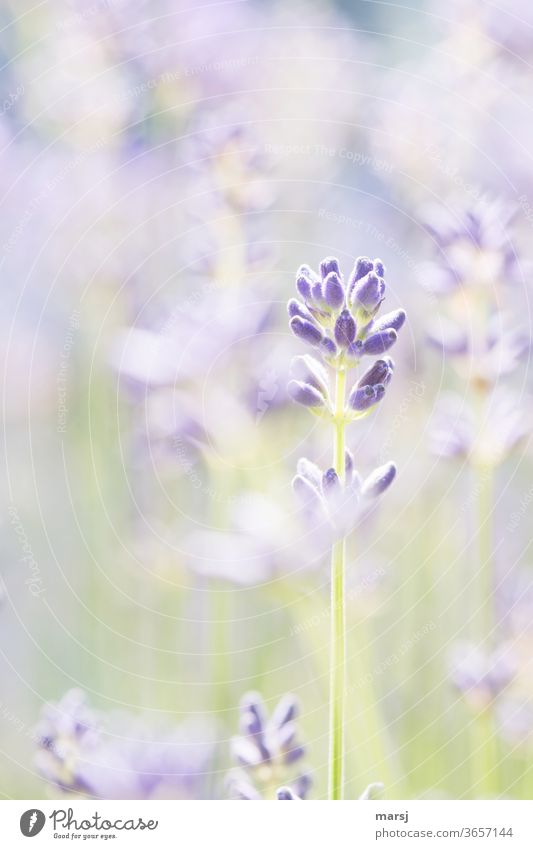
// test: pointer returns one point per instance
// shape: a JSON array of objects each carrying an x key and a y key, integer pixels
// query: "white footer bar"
[{"x": 324, "y": 825}]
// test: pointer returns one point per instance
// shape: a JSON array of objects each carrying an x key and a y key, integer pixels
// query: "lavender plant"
[
  {"x": 267, "y": 752},
  {"x": 478, "y": 334},
  {"x": 339, "y": 319},
  {"x": 85, "y": 751}
]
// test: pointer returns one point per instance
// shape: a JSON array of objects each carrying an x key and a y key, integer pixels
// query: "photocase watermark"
[
  {"x": 188, "y": 466},
  {"x": 49, "y": 187},
  {"x": 394, "y": 658},
  {"x": 525, "y": 205},
  {"x": 369, "y": 229},
  {"x": 83, "y": 15},
  {"x": 190, "y": 304},
  {"x": 317, "y": 619},
  {"x": 64, "y": 368},
  {"x": 268, "y": 389},
  {"x": 233, "y": 63},
  {"x": 356, "y": 157},
  {"x": 438, "y": 157},
  {"x": 517, "y": 515},
  {"x": 8, "y": 102},
  {"x": 416, "y": 390},
  {"x": 34, "y": 580}
]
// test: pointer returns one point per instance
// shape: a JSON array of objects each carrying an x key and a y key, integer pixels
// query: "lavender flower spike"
[
  {"x": 342, "y": 324},
  {"x": 267, "y": 750},
  {"x": 343, "y": 329}
]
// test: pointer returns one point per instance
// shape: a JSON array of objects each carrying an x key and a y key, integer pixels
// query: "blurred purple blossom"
[
  {"x": 267, "y": 750},
  {"x": 325, "y": 499},
  {"x": 481, "y": 676},
  {"x": 120, "y": 756}
]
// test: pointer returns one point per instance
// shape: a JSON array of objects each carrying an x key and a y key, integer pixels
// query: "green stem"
[
  {"x": 483, "y": 492},
  {"x": 338, "y": 618},
  {"x": 485, "y": 752},
  {"x": 486, "y": 755}
]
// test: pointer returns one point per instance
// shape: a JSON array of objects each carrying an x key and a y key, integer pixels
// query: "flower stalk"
[
  {"x": 337, "y": 318},
  {"x": 338, "y": 617}
]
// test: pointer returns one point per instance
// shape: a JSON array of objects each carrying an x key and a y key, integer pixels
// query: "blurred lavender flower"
[
  {"x": 477, "y": 262},
  {"x": 119, "y": 756},
  {"x": 267, "y": 751},
  {"x": 65, "y": 729},
  {"x": 481, "y": 676},
  {"x": 514, "y": 717},
  {"x": 341, "y": 505},
  {"x": 505, "y": 425},
  {"x": 474, "y": 238}
]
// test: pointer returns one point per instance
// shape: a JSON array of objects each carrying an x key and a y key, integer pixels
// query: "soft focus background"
[{"x": 166, "y": 167}]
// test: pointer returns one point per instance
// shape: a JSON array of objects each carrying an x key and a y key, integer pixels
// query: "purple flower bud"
[
  {"x": 330, "y": 482},
  {"x": 310, "y": 471},
  {"x": 379, "y": 480},
  {"x": 244, "y": 752},
  {"x": 286, "y": 735},
  {"x": 306, "y": 330},
  {"x": 305, "y": 394},
  {"x": 378, "y": 343},
  {"x": 368, "y": 292},
  {"x": 379, "y": 268},
  {"x": 294, "y": 754},
  {"x": 309, "y": 370},
  {"x": 302, "y": 785},
  {"x": 333, "y": 291},
  {"x": 348, "y": 465},
  {"x": 285, "y": 711},
  {"x": 306, "y": 283},
  {"x": 295, "y": 307},
  {"x": 345, "y": 329},
  {"x": 354, "y": 352},
  {"x": 329, "y": 349},
  {"x": 391, "y": 320},
  {"x": 242, "y": 788},
  {"x": 308, "y": 493},
  {"x": 253, "y": 703},
  {"x": 361, "y": 268},
  {"x": 285, "y": 794},
  {"x": 328, "y": 265},
  {"x": 316, "y": 292},
  {"x": 379, "y": 372},
  {"x": 362, "y": 398},
  {"x": 303, "y": 284},
  {"x": 250, "y": 723}
]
